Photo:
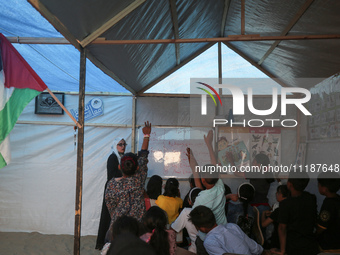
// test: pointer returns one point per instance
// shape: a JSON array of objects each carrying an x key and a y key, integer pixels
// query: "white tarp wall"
[
  {"x": 322, "y": 129},
  {"x": 37, "y": 190}
]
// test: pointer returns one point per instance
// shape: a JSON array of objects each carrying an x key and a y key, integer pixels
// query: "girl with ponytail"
[
  {"x": 162, "y": 240},
  {"x": 241, "y": 212}
]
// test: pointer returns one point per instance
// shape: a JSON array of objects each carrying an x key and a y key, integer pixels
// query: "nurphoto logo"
[{"x": 238, "y": 106}]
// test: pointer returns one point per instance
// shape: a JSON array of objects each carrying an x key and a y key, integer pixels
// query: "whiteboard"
[{"x": 167, "y": 150}]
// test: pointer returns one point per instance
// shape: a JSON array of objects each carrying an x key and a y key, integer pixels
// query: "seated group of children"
[
  {"x": 294, "y": 220},
  {"x": 155, "y": 218}
]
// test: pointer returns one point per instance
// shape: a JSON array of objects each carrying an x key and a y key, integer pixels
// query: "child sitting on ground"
[
  {"x": 220, "y": 239},
  {"x": 123, "y": 224},
  {"x": 153, "y": 190},
  {"x": 328, "y": 227},
  {"x": 241, "y": 212},
  {"x": 213, "y": 196},
  {"x": 269, "y": 217},
  {"x": 192, "y": 186},
  {"x": 297, "y": 217},
  {"x": 170, "y": 201},
  {"x": 162, "y": 240},
  {"x": 125, "y": 195},
  {"x": 183, "y": 220}
]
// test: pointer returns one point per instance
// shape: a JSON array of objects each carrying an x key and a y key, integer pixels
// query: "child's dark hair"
[
  {"x": 299, "y": 180},
  {"x": 125, "y": 224},
  {"x": 246, "y": 193},
  {"x": 283, "y": 190},
  {"x": 202, "y": 217},
  {"x": 211, "y": 181},
  {"x": 227, "y": 189},
  {"x": 171, "y": 188},
  {"x": 192, "y": 181},
  {"x": 211, "y": 177},
  {"x": 330, "y": 180},
  {"x": 262, "y": 159},
  {"x": 155, "y": 220},
  {"x": 129, "y": 244},
  {"x": 193, "y": 194},
  {"x": 129, "y": 163},
  {"x": 154, "y": 187}
]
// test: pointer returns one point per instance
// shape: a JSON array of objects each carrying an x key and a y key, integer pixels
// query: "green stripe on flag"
[
  {"x": 13, "y": 108},
  {"x": 2, "y": 161}
]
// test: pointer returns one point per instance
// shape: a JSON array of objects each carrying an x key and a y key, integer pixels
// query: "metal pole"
[
  {"x": 219, "y": 110},
  {"x": 133, "y": 135},
  {"x": 80, "y": 153}
]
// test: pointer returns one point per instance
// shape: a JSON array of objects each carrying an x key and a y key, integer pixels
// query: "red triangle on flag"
[{"x": 18, "y": 73}]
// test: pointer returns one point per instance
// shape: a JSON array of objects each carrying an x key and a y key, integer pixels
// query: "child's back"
[
  {"x": 273, "y": 217},
  {"x": 170, "y": 201},
  {"x": 329, "y": 218},
  {"x": 214, "y": 199},
  {"x": 299, "y": 214},
  {"x": 240, "y": 212},
  {"x": 154, "y": 224},
  {"x": 220, "y": 239}
]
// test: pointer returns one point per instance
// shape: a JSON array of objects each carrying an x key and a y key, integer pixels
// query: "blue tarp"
[{"x": 57, "y": 65}]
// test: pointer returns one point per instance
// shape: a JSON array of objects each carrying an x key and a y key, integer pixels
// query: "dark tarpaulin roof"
[{"x": 139, "y": 66}]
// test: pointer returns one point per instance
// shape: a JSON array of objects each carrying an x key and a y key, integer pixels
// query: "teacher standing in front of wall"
[{"x": 118, "y": 146}]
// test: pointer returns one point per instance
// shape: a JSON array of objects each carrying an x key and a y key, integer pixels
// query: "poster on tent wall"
[
  {"x": 325, "y": 120},
  {"x": 46, "y": 104},
  {"x": 233, "y": 145},
  {"x": 266, "y": 140}
]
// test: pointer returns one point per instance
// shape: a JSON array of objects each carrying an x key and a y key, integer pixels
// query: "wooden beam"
[
  {"x": 174, "y": 18},
  {"x": 106, "y": 26},
  {"x": 38, "y": 40},
  {"x": 80, "y": 154},
  {"x": 219, "y": 109},
  {"x": 199, "y": 96},
  {"x": 174, "y": 69},
  {"x": 230, "y": 38},
  {"x": 296, "y": 18},
  {"x": 225, "y": 15},
  {"x": 243, "y": 8},
  {"x": 133, "y": 128},
  {"x": 55, "y": 22},
  {"x": 219, "y": 59},
  {"x": 298, "y": 130},
  {"x": 256, "y": 65},
  {"x": 63, "y": 107}
]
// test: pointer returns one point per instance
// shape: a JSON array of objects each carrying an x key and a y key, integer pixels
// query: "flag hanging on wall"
[{"x": 19, "y": 84}]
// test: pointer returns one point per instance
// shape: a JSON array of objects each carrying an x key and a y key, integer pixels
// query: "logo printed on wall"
[{"x": 94, "y": 108}]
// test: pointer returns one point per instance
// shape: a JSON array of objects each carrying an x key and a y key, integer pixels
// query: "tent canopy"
[{"x": 139, "y": 66}]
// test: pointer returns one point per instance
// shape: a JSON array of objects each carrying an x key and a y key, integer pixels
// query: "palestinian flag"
[{"x": 19, "y": 84}]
